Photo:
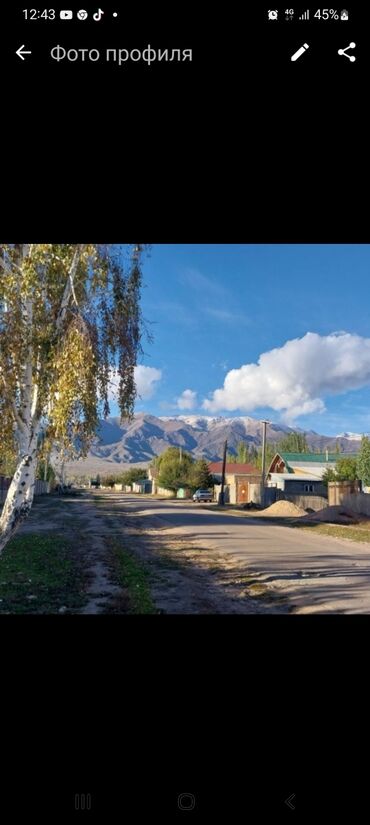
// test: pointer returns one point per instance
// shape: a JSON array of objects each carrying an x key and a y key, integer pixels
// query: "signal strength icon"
[{"x": 305, "y": 15}]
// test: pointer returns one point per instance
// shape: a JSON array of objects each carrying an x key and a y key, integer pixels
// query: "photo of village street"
[{"x": 184, "y": 429}]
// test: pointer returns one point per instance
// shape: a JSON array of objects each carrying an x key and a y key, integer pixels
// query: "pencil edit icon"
[{"x": 300, "y": 51}]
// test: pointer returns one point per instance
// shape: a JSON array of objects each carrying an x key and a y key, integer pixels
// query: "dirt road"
[
  {"x": 313, "y": 573},
  {"x": 202, "y": 561}
]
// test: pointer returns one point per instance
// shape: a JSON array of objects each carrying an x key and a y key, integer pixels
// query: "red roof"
[{"x": 238, "y": 469}]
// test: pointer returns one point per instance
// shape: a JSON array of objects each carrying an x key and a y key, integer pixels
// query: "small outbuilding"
[{"x": 143, "y": 485}]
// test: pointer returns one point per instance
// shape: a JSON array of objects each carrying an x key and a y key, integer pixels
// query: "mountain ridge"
[{"x": 139, "y": 440}]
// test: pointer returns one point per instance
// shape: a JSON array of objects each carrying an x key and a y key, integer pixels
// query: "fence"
[
  {"x": 358, "y": 502},
  {"x": 307, "y": 502},
  {"x": 339, "y": 490},
  {"x": 41, "y": 487},
  {"x": 272, "y": 494},
  {"x": 4, "y": 487}
]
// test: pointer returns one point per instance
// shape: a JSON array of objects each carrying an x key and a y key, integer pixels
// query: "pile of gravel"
[
  {"x": 336, "y": 514},
  {"x": 283, "y": 508}
]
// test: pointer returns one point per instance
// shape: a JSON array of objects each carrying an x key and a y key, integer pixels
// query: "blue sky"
[{"x": 213, "y": 308}]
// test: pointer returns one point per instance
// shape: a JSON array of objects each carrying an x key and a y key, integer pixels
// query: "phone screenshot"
[{"x": 184, "y": 411}]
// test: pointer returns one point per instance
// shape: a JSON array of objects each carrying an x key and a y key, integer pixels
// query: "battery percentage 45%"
[{"x": 327, "y": 14}]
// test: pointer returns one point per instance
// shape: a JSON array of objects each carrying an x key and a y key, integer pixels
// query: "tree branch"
[
  {"x": 69, "y": 287},
  {"x": 8, "y": 269}
]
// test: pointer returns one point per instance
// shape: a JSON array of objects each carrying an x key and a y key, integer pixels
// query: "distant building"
[
  {"x": 242, "y": 482},
  {"x": 294, "y": 484},
  {"x": 153, "y": 473},
  {"x": 143, "y": 485}
]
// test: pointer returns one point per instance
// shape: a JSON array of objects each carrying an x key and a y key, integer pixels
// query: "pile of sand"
[
  {"x": 336, "y": 514},
  {"x": 283, "y": 508}
]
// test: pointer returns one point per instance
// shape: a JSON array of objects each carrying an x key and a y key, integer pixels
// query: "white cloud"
[
  {"x": 293, "y": 379},
  {"x": 226, "y": 315},
  {"x": 187, "y": 400},
  {"x": 195, "y": 279},
  {"x": 145, "y": 380}
]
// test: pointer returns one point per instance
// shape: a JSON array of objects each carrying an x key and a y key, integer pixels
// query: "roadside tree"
[
  {"x": 69, "y": 315},
  {"x": 245, "y": 454},
  {"x": 136, "y": 474},
  {"x": 199, "y": 476},
  {"x": 363, "y": 461},
  {"x": 294, "y": 443},
  {"x": 345, "y": 470},
  {"x": 174, "y": 468}
]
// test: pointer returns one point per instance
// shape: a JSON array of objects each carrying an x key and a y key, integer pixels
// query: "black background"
[{"x": 238, "y": 146}]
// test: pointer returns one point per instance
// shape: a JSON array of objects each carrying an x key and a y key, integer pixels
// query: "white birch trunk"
[
  {"x": 19, "y": 499},
  {"x": 20, "y": 495}
]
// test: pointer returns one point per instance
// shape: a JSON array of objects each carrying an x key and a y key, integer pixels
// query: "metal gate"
[{"x": 242, "y": 492}]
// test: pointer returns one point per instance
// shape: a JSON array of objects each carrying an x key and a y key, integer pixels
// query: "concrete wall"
[
  {"x": 217, "y": 493},
  {"x": 161, "y": 491},
  {"x": 232, "y": 493},
  {"x": 359, "y": 502}
]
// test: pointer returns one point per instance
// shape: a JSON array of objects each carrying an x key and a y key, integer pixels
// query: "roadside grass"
[
  {"x": 132, "y": 575},
  {"x": 356, "y": 532},
  {"x": 140, "y": 496},
  {"x": 40, "y": 574}
]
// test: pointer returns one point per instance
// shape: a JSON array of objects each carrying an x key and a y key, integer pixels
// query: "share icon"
[{"x": 344, "y": 51}]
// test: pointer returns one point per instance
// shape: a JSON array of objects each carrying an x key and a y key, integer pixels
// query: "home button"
[{"x": 186, "y": 801}]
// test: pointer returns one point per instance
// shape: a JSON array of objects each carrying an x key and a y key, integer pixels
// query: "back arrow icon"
[
  {"x": 20, "y": 53},
  {"x": 289, "y": 802}
]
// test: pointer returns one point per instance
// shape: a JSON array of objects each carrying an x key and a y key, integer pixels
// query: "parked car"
[{"x": 202, "y": 495}]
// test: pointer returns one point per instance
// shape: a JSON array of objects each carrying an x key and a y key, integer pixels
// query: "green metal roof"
[{"x": 318, "y": 458}]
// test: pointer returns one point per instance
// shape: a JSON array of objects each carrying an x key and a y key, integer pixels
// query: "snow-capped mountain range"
[
  {"x": 351, "y": 436},
  {"x": 146, "y": 436}
]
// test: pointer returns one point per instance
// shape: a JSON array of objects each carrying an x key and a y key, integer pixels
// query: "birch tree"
[{"x": 69, "y": 315}]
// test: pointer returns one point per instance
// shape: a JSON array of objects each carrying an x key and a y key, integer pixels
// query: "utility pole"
[
  {"x": 180, "y": 455},
  {"x": 264, "y": 423},
  {"x": 222, "y": 496}
]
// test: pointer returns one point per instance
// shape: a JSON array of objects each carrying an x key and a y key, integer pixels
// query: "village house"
[
  {"x": 301, "y": 473},
  {"x": 242, "y": 482}
]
